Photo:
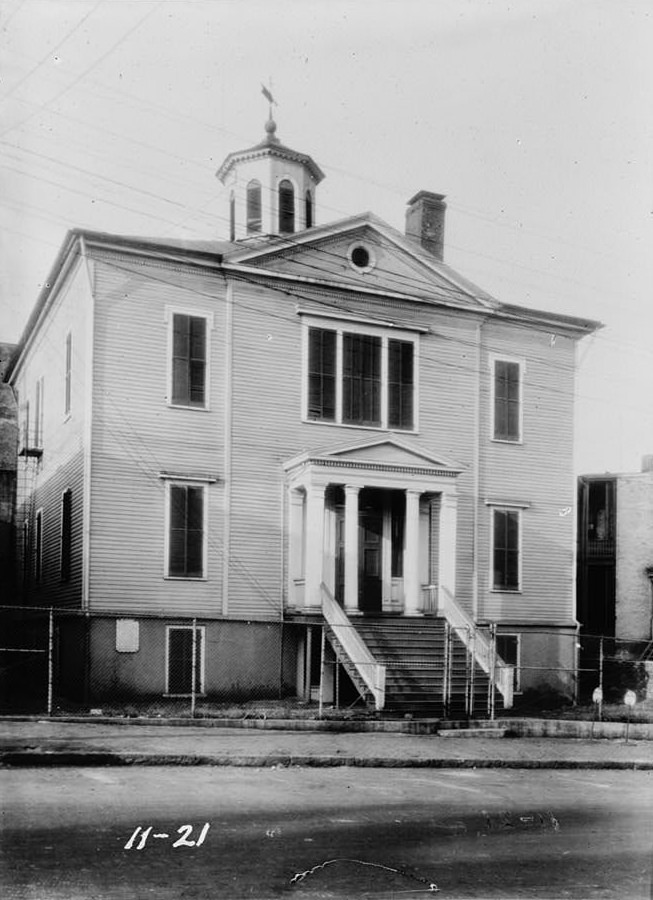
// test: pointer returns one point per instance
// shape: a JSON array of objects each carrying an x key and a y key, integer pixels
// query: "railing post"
[
  {"x": 601, "y": 676},
  {"x": 492, "y": 667},
  {"x": 50, "y": 659},
  {"x": 321, "y": 692},
  {"x": 472, "y": 680},
  {"x": 193, "y": 685}
]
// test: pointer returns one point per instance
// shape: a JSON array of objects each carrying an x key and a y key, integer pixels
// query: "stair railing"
[
  {"x": 483, "y": 648},
  {"x": 371, "y": 672}
]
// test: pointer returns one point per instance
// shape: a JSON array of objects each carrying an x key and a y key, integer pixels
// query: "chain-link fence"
[{"x": 67, "y": 661}]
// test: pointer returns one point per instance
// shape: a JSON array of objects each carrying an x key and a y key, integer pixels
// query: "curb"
[{"x": 34, "y": 759}]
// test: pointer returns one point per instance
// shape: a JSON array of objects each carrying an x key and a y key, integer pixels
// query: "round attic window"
[{"x": 361, "y": 257}]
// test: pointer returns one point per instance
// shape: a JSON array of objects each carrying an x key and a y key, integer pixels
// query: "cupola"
[{"x": 270, "y": 189}]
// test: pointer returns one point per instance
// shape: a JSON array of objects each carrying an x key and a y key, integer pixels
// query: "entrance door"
[{"x": 370, "y": 593}]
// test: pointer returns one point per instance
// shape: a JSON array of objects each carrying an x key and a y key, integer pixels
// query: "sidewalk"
[{"x": 56, "y": 743}]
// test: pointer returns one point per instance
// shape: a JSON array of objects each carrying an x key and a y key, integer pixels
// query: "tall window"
[
  {"x": 309, "y": 209},
  {"x": 254, "y": 217},
  {"x": 232, "y": 217},
  {"x": 322, "y": 374},
  {"x": 68, "y": 374},
  {"x": 186, "y": 531},
  {"x": 38, "y": 548},
  {"x": 181, "y": 649},
  {"x": 507, "y": 400},
  {"x": 505, "y": 549},
  {"x": 360, "y": 379},
  {"x": 38, "y": 413},
  {"x": 188, "y": 360},
  {"x": 286, "y": 207},
  {"x": 66, "y": 533},
  {"x": 400, "y": 384}
]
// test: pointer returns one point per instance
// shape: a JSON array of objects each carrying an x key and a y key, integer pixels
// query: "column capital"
[{"x": 352, "y": 489}]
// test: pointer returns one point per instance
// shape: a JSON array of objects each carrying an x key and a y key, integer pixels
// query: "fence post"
[
  {"x": 321, "y": 697},
  {"x": 193, "y": 685},
  {"x": 601, "y": 677},
  {"x": 50, "y": 659},
  {"x": 493, "y": 662}
]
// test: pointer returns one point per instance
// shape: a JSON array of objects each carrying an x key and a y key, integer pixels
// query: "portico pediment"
[{"x": 375, "y": 461}]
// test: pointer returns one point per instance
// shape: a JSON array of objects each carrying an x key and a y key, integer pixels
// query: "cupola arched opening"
[
  {"x": 286, "y": 207},
  {"x": 254, "y": 206},
  {"x": 232, "y": 217},
  {"x": 308, "y": 204}
]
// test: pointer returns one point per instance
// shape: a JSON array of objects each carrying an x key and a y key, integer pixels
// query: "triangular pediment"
[
  {"x": 391, "y": 452},
  {"x": 397, "y": 264}
]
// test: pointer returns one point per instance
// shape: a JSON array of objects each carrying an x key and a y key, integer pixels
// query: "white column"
[
  {"x": 295, "y": 547},
  {"x": 412, "y": 600},
  {"x": 314, "y": 547},
  {"x": 447, "y": 550},
  {"x": 351, "y": 548}
]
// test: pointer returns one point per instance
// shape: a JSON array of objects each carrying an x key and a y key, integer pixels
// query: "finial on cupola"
[{"x": 270, "y": 125}]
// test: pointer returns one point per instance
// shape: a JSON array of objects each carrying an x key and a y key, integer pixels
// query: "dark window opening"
[
  {"x": 232, "y": 218},
  {"x": 180, "y": 661},
  {"x": 506, "y": 550},
  {"x": 66, "y": 533},
  {"x": 286, "y": 207},
  {"x": 360, "y": 257},
  {"x": 186, "y": 553},
  {"x": 507, "y": 401},
  {"x": 400, "y": 384},
  {"x": 361, "y": 380},
  {"x": 254, "y": 213},
  {"x": 322, "y": 374},
  {"x": 188, "y": 360},
  {"x": 309, "y": 209},
  {"x": 397, "y": 520},
  {"x": 38, "y": 539}
]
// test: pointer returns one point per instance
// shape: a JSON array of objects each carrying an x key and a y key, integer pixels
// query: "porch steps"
[{"x": 414, "y": 653}]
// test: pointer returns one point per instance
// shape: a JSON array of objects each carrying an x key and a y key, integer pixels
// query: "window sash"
[
  {"x": 507, "y": 401},
  {"x": 66, "y": 533},
  {"x": 505, "y": 551},
  {"x": 370, "y": 382},
  {"x": 186, "y": 532},
  {"x": 188, "y": 360},
  {"x": 38, "y": 538},
  {"x": 286, "y": 207},
  {"x": 254, "y": 207}
]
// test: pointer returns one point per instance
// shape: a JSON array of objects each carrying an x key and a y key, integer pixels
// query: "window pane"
[
  {"x": 66, "y": 533},
  {"x": 186, "y": 538},
  {"x": 506, "y": 400},
  {"x": 253, "y": 206},
  {"x": 361, "y": 385},
  {"x": 400, "y": 384},
  {"x": 309, "y": 210},
  {"x": 321, "y": 374},
  {"x": 189, "y": 360},
  {"x": 506, "y": 550},
  {"x": 286, "y": 207}
]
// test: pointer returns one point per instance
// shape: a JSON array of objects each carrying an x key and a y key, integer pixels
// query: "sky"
[{"x": 532, "y": 116}]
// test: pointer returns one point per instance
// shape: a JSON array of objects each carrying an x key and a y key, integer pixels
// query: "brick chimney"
[
  {"x": 425, "y": 221},
  {"x": 647, "y": 463}
]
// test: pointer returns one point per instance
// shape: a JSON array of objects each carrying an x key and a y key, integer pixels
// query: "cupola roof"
[{"x": 270, "y": 146}]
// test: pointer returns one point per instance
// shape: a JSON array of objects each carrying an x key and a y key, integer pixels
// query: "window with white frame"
[
  {"x": 361, "y": 376},
  {"x": 507, "y": 400},
  {"x": 509, "y": 649},
  {"x": 506, "y": 549},
  {"x": 185, "y": 644},
  {"x": 185, "y": 530},
  {"x": 39, "y": 411},
  {"x": 189, "y": 359}
]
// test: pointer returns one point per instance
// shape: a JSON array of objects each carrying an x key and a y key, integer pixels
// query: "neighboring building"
[
  {"x": 615, "y": 554},
  {"x": 8, "y": 468},
  {"x": 307, "y": 423}
]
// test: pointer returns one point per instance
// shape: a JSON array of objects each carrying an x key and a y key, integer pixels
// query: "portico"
[{"x": 376, "y": 522}]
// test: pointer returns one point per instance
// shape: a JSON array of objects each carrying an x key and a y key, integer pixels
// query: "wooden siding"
[
  {"x": 537, "y": 472},
  {"x": 267, "y": 376},
  {"x": 137, "y": 436},
  {"x": 41, "y": 483}
]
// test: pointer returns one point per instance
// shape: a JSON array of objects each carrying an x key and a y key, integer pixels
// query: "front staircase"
[{"x": 422, "y": 665}]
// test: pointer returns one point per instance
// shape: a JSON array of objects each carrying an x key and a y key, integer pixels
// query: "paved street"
[{"x": 324, "y": 833}]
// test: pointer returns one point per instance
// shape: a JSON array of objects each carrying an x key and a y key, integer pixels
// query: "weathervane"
[{"x": 267, "y": 93}]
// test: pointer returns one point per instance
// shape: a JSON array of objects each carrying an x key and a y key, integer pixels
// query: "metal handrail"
[
  {"x": 484, "y": 650},
  {"x": 352, "y": 644}
]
